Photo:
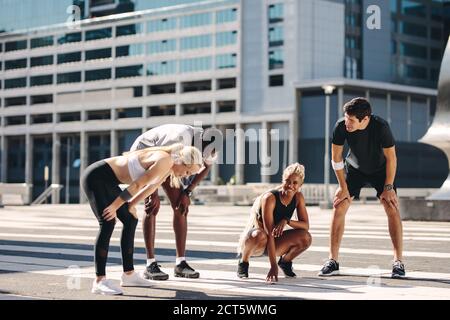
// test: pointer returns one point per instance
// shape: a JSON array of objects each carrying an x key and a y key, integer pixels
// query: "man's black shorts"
[{"x": 356, "y": 180}]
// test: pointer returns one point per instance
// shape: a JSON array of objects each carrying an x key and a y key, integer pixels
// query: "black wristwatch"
[
  {"x": 388, "y": 187},
  {"x": 188, "y": 192}
]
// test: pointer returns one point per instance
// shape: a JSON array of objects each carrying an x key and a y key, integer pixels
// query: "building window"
[
  {"x": 276, "y": 80},
  {"x": 99, "y": 74},
  {"x": 162, "y": 88},
  {"x": 130, "y": 50},
  {"x": 276, "y": 36},
  {"x": 42, "y": 118},
  {"x": 15, "y": 45},
  {"x": 413, "y": 50},
  {"x": 226, "y": 83},
  {"x": 160, "y": 46},
  {"x": 226, "y": 106},
  {"x": 196, "y": 20},
  {"x": 225, "y": 61},
  {"x": 129, "y": 29},
  {"x": 158, "y": 111},
  {"x": 415, "y": 72},
  {"x": 70, "y": 38},
  {"x": 15, "y": 101},
  {"x": 227, "y": 15},
  {"x": 435, "y": 54},
  {"x": 98, "y": 54},
  {"x": 161, "y": 68},
  {"x": 69, "y": 116},
  {"x": 41, "y": 42},
  {"x": 99, "y": 115},
  {"x": 161, "y": 25},
  {"x": 41, "y": 61},
  {"x": 129, "y": 71},
  {"x": 195, "y": 42},
  {"x": 352, "y": 43},
  {"x": 196, "y": 108},
  {"x": 226, "y": 38},
  {"x": 41, "y": 80},
  {"x": 436, "y": 34},
  {"x": 15, "y": 83},
  {"x": 15, "y": 64},
  {"x": 193, "y": 86},
  {"x": 15, "y": 120},
  {"x": 276, "y": 60},
  {"x": 68, "y": 57},
  {"x": 69, "y": 77},
  {"x": 413, "y": 29},
  {"x": 353, "y": 20},
  {"x": 412, "y": 8},
  {"x": 129, "y": 113},
  {"x": 275, "y": 13},
  {"x": 41, "y": 99},
  {"x": 393, "y": 6},
  {"x": 434, "y": 75},
  {"x": 196, "y": 64},
  {"x": 98, "y": 34},
  {"x": 129, "y": 92}
]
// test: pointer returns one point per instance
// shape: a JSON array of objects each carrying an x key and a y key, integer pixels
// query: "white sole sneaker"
[
  {"x": 97, "y": 291},
  {"x": 136, "y": 282},
  {"x": 333, "y": 273}
]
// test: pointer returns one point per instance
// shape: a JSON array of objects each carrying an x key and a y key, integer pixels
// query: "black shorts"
[{"x": 356, "y": 180}]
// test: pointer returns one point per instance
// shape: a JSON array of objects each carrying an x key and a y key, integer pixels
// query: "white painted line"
[{"x": 224, "y": 244}]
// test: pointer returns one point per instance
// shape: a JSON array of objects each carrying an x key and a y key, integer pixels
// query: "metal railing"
[{"x": 53, "y": 188}]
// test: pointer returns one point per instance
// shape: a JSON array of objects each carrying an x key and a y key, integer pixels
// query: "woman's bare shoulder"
[
  {"x": 267, "y": 197},
  {"x": 299, "y": 197}
]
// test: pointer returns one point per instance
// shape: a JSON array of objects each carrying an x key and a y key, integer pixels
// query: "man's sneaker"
[
  {"x": 153, "y": 272},
  {"x": 133, "y": 280},
  {"x": 242, "y": 271},
  {"x": 105, "y": 287},
  {"x": 183, "y": 270},
  {"x": 330, "y": 268},
  {"x": 286, "y": 267},
  {"x": 398, "y": 270}
]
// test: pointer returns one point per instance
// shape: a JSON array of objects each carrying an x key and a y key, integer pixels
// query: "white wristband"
[{"x": 337, "y": 165}]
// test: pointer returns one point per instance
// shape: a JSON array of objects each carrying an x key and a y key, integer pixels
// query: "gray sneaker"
[
  {"x": 153, "y": 272},
  {"x": 183, "y": 270},
  {"x": 398, "y": 270},
  {"x": 330, "y": 268}
]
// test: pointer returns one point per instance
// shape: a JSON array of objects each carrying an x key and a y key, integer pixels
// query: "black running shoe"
[
  {"x": 242, "y": 269},
  {"x": 183, "y": 270},
  {"x": 330, "y": 268},
  {"x": 153, "y": 272},
  {"x": 398, "y": 270},
  {"x": 286, "y": 267}
]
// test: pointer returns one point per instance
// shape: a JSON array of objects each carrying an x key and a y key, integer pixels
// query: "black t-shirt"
[{"x": 366, "y": 146}]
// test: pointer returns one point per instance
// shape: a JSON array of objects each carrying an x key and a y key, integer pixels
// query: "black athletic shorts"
[{"x": 356, "y": 180}]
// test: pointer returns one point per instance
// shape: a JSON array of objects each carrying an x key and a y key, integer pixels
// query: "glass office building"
[{"x": 74, "y": 93}]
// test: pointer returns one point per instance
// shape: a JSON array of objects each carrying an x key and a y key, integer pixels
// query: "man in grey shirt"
[{"x": 179, "y": 198}]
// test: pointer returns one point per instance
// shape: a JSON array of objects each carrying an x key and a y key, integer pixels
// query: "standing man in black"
[{"x": 371, "y": 160}]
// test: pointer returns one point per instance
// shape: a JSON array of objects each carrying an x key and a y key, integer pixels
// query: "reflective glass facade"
[
  {"x": 161, "y": 68},
  {"x": 195, "y": 42},
  {"x": 196, "y": 64},
  {"x": 226, "y": 38}
]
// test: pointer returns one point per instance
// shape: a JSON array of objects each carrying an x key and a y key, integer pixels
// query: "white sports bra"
[{"x": 134, "y": 167}]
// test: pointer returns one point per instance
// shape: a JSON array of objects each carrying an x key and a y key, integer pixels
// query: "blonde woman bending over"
[
  {"x": 144, "y": 171},
  {"x": 270, "y": 214}
]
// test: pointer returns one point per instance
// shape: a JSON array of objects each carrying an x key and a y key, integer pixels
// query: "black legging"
[{"x": 102, "y": 187}]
